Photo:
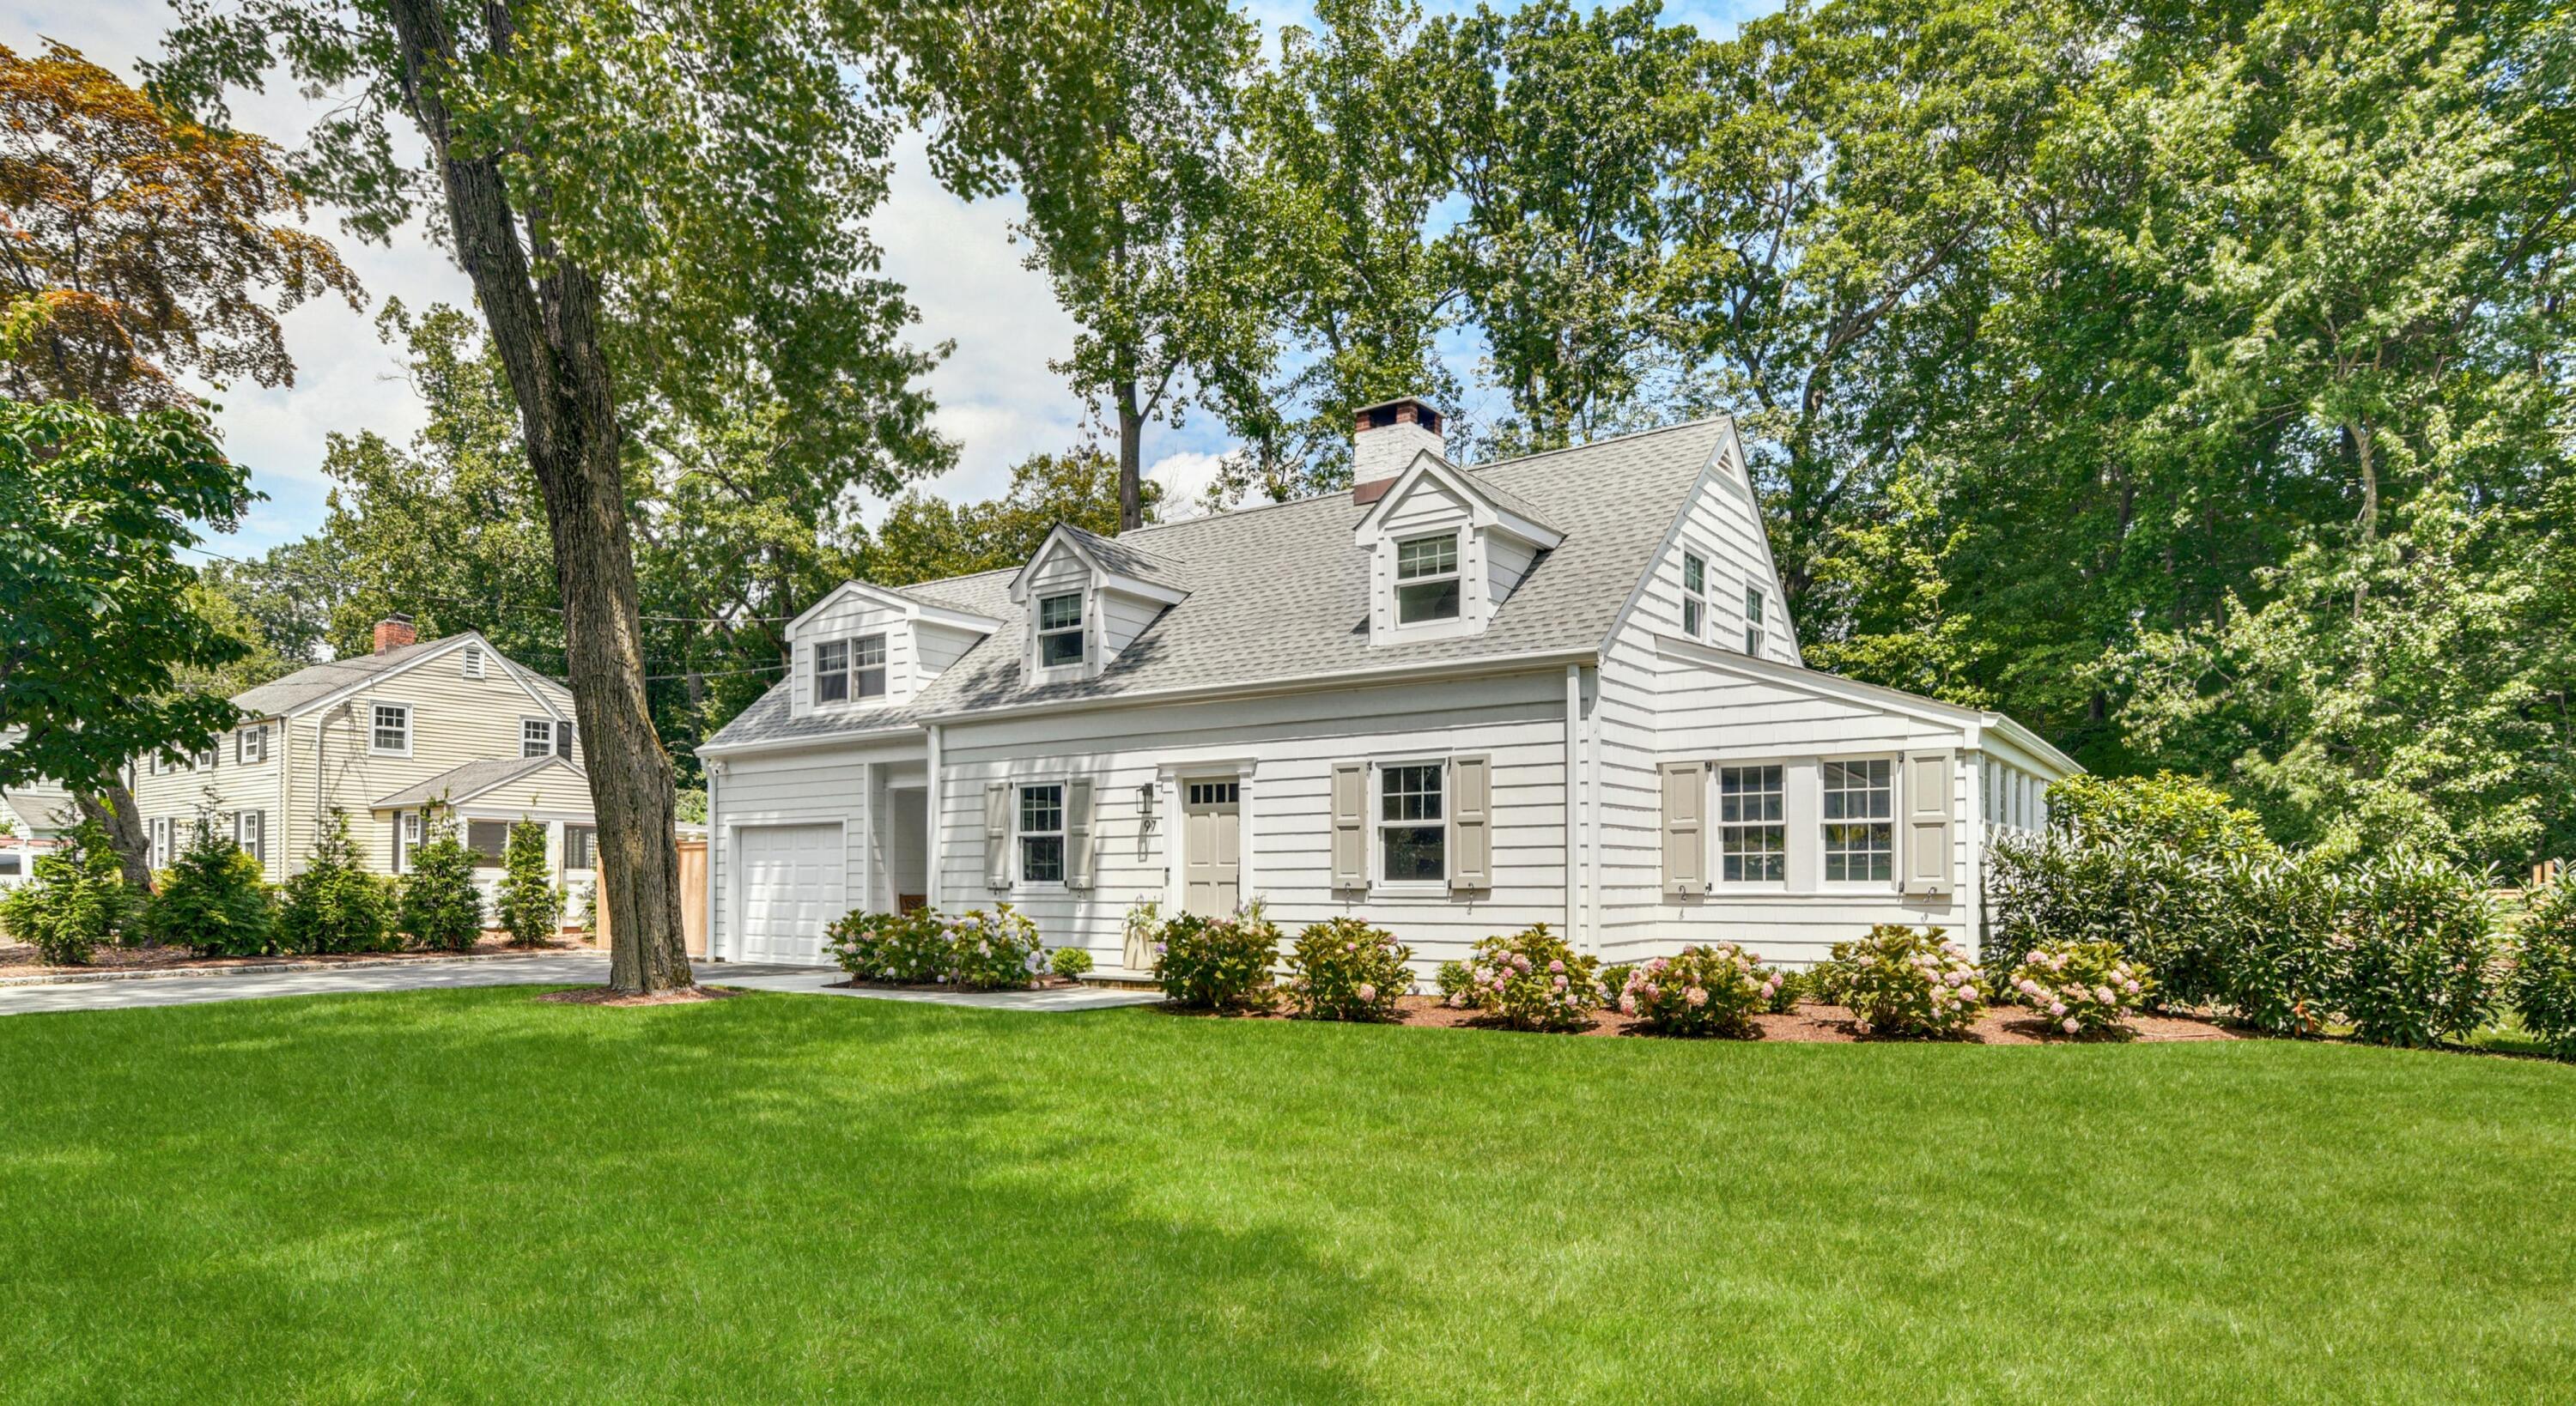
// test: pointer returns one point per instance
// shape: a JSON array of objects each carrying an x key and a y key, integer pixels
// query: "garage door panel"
[{"x": 792, "y": 881}]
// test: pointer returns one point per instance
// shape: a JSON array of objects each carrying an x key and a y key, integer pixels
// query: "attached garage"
[{"x": 792, "y": 886}]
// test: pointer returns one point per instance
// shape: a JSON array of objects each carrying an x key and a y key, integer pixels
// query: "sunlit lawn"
[{"x": 473, "y": 1195}]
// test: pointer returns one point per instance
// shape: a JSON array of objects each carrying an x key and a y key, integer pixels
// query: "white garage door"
[{"x": 791, "y": 888}]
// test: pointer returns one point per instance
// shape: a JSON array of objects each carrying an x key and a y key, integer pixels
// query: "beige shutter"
[
  {"x": 997, "y": 835},
  {"x": 1685, "y": 828},
  {"x": 1077, "y": 835},
  {"x": 1350, "y": 814},
  {"x": 1929, "y": 863},
  {"x": 1471, "y": 823}
]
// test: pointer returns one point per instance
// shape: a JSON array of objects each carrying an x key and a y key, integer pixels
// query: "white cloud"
[{"x": 1184, "y": 477}]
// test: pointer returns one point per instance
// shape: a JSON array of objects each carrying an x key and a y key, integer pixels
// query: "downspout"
[
  {"x": 1573, "y": 813},
  {"x": 1592, "y": 816},
  {"x": 937, "y": 808},
  {"x": 715, "y": 839}
]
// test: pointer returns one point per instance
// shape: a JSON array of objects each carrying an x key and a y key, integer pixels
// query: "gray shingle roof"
[
  {"x": 315, "y": 681},
  {"x": 1279, "y": 592},
  {"x": 465, "y": 782},
  {"x": 1126, "y": 557}
]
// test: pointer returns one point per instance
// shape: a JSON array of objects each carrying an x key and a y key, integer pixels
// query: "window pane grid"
[
  {"x": 1042, "y": 834},
  {"x": 1753, "y": 843},
  {"x": 1859, "y": 814},
  {"x": 1413, "y": 844},
  {"x": 392, "y": 728}
]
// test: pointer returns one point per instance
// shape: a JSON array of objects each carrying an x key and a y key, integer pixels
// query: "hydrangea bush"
[
  {"x": 2543, "y": 988},
  {"x": 1453, "y": 979},
  {"x": 1343, "y": 969},
  {"x": 996, "y": 951},
  {"x": 2081, "y": 987},
  {"x": 1217, "y": 963},
  {"x": 909, "y": 948},
  {"x": 1702, "y": 991},
  {"x": 1533, "y": 980},
  {"x": 1904, "y": 982}
]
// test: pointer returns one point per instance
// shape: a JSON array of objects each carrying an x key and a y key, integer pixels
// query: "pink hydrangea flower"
[
  {"x": 1627, "y": 1005},
  {"x": 2057, "y": 1008},
  {"x": 2073, "y": 1025},
  {"x": 1368, "y": 991},
  {"x": 1555, "y": 964},
  {"x": 1696, "y": 996}
]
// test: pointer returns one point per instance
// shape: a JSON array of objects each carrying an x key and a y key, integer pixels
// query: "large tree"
[
  {"x": 641, "y": 194},
  {"x": 98, "y": 625}
]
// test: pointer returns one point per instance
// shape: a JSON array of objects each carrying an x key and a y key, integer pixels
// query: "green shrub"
[
  {"x": 212, "y": 900},
  {"x": 335, "y": 905},
  {"x": 2273, "y": 951},
  {"x": 2188, "y": 816},
  {"x": 996, "y": 951},
  {"x": 1343, "y": 969},
  {"x": 1904, "y": 982},
  {"x": 1070, "y": 961},
  {"x": 1533, "y": 980},
  {"x": 1828, "y": 982},
  {"x": 2082, "y": 986},
  {"x": 2162, "y": 907},
  {"x": 75, "y": 899},
  {"x": 1614, "y": 977},
  {"x": 1790, "y": 989},
  {"x": 1702, "y": 991},
  {"x": 529, "y": 904},
  {"x": 2418, "y": 952},
  {"x": 908, "y": 948},
  {"x": 1217, "y": 963},
  {"x": 2543, "y": 988},
  {"x": 1453, "y": 981},
  {"x": 442, "y": 910}
]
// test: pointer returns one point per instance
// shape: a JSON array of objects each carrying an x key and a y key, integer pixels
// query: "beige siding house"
[{"x": 384, "y": 738}]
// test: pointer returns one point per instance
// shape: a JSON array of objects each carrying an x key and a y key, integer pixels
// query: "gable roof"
[
  {"x": 319, "y": 683},
  {"x": 457, "y": 785},
  {"x": 913, "y": 604},
  {"x": 1487, "y": 500},
  {"x": 1116, "y": 557},
  {"x": 1278, "y": 593}
]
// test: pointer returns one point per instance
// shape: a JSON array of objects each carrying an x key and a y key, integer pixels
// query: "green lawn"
[{"x": 470, "y": 1194}]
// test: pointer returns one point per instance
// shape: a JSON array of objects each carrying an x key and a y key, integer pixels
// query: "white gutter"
[
  {"x": 897, "y": 733},
  {"x": 937, "y": 811},
  {"x": 1573, "y": 790},
  {"x": 715, "y": 840},
  {"x": 1399, "y": 672}
]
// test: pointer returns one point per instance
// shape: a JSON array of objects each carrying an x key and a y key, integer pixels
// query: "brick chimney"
[
  {"x": 395, "y": 631},
  {"x": 1384, "y": 444}
]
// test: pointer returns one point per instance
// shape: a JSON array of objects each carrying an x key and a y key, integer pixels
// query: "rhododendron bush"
[
  {"x": 2544, "y": 969},
  {"x": 1343, "y": 969},
  {"x": 1702, "y": 991},
  {"x": 1533, "y": 981},
  {"x": 2081, "y": 986},
  {"x": 1902, "y": 982},
  {"x": 1217, "y": 963}
]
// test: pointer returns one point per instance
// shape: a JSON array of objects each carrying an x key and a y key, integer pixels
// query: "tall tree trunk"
[
  {"x": 115, "y": 812},
  {"x": 547, "y": 333},
  {"x": 1131, "y": 476}
]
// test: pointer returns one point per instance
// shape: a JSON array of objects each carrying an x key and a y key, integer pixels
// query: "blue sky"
[{"x": 997, "y": 398}]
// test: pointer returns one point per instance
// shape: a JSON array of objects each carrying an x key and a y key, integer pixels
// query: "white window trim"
[
  {"x": 1087, "y": 602},
  {"x": 1757, "y": 634},
  {"x": 243, "y": 738},
  {"x": 1397, "y": 581},
  {"x": 1020, "y": 880},
  {"x": 1690, "y": 550},
  {"x": 411, "y": 727},
  {"x": 1375, "y": 811},
  {"x": 1893, "y": 883},
  {"x": 549, "y": 725},
  {"x": 850, "y": 670},
  {"x": 1717, "y": 826},
  {"x": 565, "y": 841}
]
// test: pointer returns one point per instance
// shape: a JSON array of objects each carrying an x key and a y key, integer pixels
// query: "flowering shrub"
[
  {"x": 2544, "y": 969},
  {"x": 2417, "y": 952},
  {"x": 2081, "y": 986},
  {"x": 1787, "y": 989},
  {"x": 900, "y": 947},
  {"x": 1903, "y": 982},
  {"x": 1454, "y": 979},
  {"x": 1703, "y": 991},
  {"x": 996, "y": 951},
  {"x": 1217, "y": 963},
  {"x": 1343, "y": 969},
  {"x": 1071, "y": 961},
  {"x": 1534, "y": 981}
]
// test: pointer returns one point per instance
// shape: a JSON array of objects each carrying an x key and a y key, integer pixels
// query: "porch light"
[{"x": 1145, "y": 800}]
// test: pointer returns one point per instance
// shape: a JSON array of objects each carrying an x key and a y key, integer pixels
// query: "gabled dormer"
[
  {"x": 1086, "y": 598},
  {"x": 864, "y": 647},
  {"x": 1445, "y": 549}
]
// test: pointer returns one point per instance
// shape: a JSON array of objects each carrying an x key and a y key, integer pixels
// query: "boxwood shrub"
[
  {"x": 1070, "y": 961},
  {"x": 1217, "y": 963},
  {"x": 1343, "y": 969}
]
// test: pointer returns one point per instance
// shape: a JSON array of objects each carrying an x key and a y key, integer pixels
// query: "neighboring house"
[
  {"x": 1453, "y": 702},
  {"x": 384, "y": 738},
  {"x": 33, "y": 820}
]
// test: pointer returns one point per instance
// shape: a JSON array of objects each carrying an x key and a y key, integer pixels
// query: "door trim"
[{"x": 1168, "y": 819}]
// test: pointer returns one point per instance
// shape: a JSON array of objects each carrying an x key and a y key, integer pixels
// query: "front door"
[{"x": 1211, "y": 847}]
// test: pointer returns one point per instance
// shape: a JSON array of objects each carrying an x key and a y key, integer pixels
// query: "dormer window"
[
  {"x": 1060, "y": 631},
  {"x": 1753, "y": 620},
  {"x": 850, "y": 669},
  {"x": 1426, "y": 577}
]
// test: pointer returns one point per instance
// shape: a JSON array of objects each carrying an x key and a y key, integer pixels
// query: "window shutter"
[
  {"x": 997, "y": 835},
  {"x": 563, "y": 739},
  {"x": 1929, "y": 863},
  {"x": 1471, "y": 823},
  {"x": 1077, "y": 834},
  {"x": 1685, "y": 828},
  {"x": 1350, "y": 829}
]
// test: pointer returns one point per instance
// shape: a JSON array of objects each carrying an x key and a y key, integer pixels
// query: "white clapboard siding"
[
  {"x": 850, "y": 617},
  {"x": 803, "y": 788}
]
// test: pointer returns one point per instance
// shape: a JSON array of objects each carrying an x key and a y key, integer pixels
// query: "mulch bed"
[
  {"x": 18, "y": 959},
  {"x": 1048, "y": 982},
  {"x": 1813, "y": 1024},
  {"x": 602, "y": 996}
]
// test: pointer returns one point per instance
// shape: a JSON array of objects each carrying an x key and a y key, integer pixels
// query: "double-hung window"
[
  {"x": 1426, "y": 579},
  {"x": 1412, "y": 829},
  {"x": 489, "y": 841},
  {"x": 251, "y": 744},
  {"x": 391, "y": 732},
  {"x": 1753, "y": 620},
  {"x": 1860, "y": 821},
  {"x": 205, "y": 758},
  {"x": 1042, "y": 834},
  {"x": 536, "y": 737},
  {"x": 250, "y": 831},
  {"x": 581, "y": 847},
  {"x": 850, "y": 669},
  {"x": 1752, "y": 836},
  {"x": 1060, "y": 630},
  {"x": 1694, "y": 595}
]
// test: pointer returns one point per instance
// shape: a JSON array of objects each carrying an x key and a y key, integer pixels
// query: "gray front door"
[{"x": 1211, "y": 847}]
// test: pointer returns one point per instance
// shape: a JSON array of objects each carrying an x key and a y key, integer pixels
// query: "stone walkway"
[{"x": 824, "y": 981}]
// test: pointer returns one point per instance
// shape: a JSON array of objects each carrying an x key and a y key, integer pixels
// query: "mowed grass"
[{"x": 474, "y": 1195}]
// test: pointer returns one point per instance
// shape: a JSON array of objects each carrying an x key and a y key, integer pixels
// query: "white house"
[
  {"x": 1453, "y": 702},
  {"x": 384, "y": 738}
]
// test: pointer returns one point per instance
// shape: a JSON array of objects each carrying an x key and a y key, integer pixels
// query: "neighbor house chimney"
[
  {"x": 1385, "y": 442},
  {"x": 395, "y": 631}
]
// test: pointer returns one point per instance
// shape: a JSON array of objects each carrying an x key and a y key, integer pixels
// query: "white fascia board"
[
  {"x": 1384, "y": 673},
  {"x": 895, "y": 600},
  {"x": 373, "y": 681},
  {"x": 1823, "y": 685},
  {"x": 2037, "y": 748},
  {"x": 1057, "y": 539},
  {"x": 1483, "y": 511},
  {"x": 1132, "y": 586},
  {"x": 826, "y": 742}
]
